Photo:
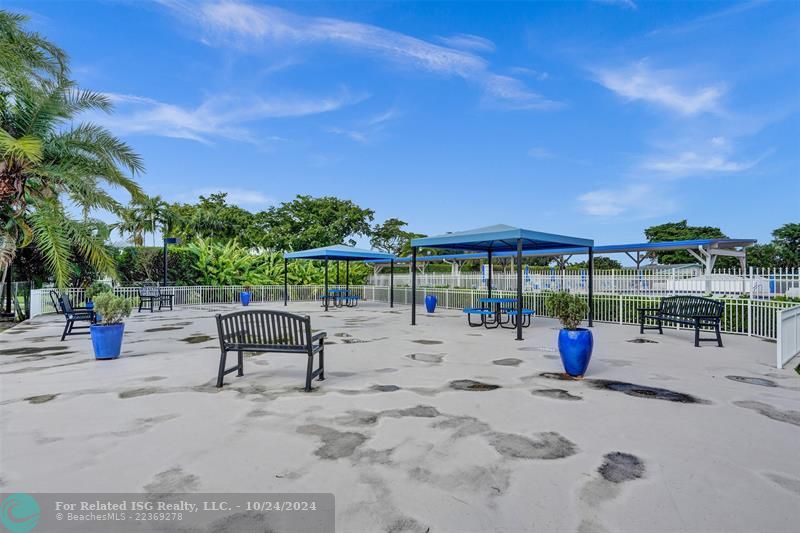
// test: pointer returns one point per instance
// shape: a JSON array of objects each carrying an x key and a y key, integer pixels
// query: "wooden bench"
[
  {"x": 73, "y": 315},
  {"x": 149, "y": 295},
  {"x": 688, "y": 310},
  {"x": 269, "y": 331}
]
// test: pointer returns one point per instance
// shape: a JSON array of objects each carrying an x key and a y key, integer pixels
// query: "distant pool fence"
[{"x": 770, "y": 319}]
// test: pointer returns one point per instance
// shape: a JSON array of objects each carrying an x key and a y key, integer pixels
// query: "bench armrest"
[
  {"x": 707, "y": 317},
  {"x": 318, "y": 335}
]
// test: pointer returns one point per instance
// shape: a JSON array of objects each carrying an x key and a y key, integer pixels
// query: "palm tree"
[
  {"x": 131, "y": 223},
  {"x": 43, "y": 162},
  {"x": 154, "y": 210}
]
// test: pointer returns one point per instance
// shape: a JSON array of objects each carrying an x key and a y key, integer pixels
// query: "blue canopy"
[
  {"x": 500, "y": 238},
  {"x": 338, "y": 252}
]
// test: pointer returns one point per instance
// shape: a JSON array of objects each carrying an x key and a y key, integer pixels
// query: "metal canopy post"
[
  {"x": 489, "y": 261},
  {"x": 285, "y": 281},
  {"x": 519, "y": 289},
  {"x": 591, "y": 286},
  {"x": 347, "y": 274},
  {"x": 414, "y": 286},
  {"x": 391, "y": 283},
  {"x": 325, "y": 296}
]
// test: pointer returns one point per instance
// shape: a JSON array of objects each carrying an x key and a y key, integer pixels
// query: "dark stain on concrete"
[
  {"x": 31, "y": 350},
  {"x": 154, "y": 378},
  {"x": 342, "y": 335},
  {"x": 42, "y": 398},
  {"x": 237, "y": 522},
  {"x": 172, "y": 480},
  {"x": 426, "y": 342},
  {"x": 789, "y": 483},
  {"x": 163, "y": 328},
  {"x": 556, "y": 394},
  {"x": 559, "y": 376},
  {"x": 753, "y": 381},
  {"x": 406, "y": 524},
  {"x": 335, "y": 444},
  {"x": 426, "y": 357},
  {"x": 642, "y": 341},
  {"x": 549, "y": 445},
  {"x": 788, "y": 416},
  {"x": 471, "y": 385},
  {"x": 619, "y": 467},
  {"x": 135, "y": 393},
  {"x": 384, "y": 388},
  {"x": 644, "y": 391},
  {"x": 197, "y": 339},
  {"x": 509, "y": 361}
]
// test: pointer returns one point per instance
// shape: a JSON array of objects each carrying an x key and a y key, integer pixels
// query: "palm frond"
[{"x": 52, "y": 240}]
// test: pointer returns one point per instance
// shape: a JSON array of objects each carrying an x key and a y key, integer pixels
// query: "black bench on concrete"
[
  {"x": 73, "y": 315},
  {"x": 150, "y": 295},
  {"x": 269, "y": 331},
  {"x": 688, "y": 310}
]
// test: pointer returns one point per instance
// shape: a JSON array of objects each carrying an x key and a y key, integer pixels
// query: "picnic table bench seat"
[
  {"x": 269, "y": 331},
  {"x": 480, "y": 311},
  {"x": 695, "y": 311},
  {"x": 527, "y": 315}
]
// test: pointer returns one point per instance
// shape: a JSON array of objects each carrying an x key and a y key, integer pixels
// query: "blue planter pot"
[
  {"x": 430, "y": 303},
  {"x": 575, "y": 347},
  {"x": 245, "y": 298},
  {"x": 89, "y": 304},
  {"x": 107, "y": 340}
]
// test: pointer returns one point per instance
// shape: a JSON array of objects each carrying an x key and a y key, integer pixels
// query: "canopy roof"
[
  {"x": 709, "y": 244},
  {"x": 339, "y": 252},
  {"x": 500, "y": 238}
]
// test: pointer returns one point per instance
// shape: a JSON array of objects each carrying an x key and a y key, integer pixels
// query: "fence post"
[
  {"x": 750, "y": 316},
  {"x": 620, "y": 307}
]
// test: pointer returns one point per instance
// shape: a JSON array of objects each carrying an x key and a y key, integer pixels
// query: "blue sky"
[{"x": 593, "y": 119}]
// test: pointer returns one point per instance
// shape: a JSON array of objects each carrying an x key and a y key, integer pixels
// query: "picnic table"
[
  {"x": 498, "y": 316},
  {"x": 340, "y": 298}
]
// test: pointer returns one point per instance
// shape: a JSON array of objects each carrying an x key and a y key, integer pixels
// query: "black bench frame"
[
  {"x": 692, "y": 311},
  {"x": 73, "y": 315},
  {"x": 269, "y": 331},
  {"x": 149, "y": 295}
]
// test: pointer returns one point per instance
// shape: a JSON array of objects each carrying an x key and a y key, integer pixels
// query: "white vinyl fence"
[
  {"x": 788, "y": 335},
  {"x": 755, "y": 282},
  {"x": 759, "y": 317}
]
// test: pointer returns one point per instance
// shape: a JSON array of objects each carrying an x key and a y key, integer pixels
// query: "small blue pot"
[
  {"x": 107, "y": 340},
  {"x": 89, "y": 304},
  {"x": 430, "y": 303},
  {"x": 245, "y": 298},
  {"x": 575, "y": 347}
]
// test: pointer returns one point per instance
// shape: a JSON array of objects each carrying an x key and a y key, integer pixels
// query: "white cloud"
[
  {"x": 539, "y": 75},
  {"x": 216, "y": 117},
  {"x": 637, "y": 200},
  {"x": 693, "y": 163},
  {"x": 357, "y": 136},
  {"x": 253, "y": 27},
  {"x": 538, "y": 152},
  {"x": 628, "y": 4},
  {"x": 368, "y": 128},
  {"x": 466, "y": 41},
  {"x": 703, "y": 159},
  {"x": 641, "y": 82}
]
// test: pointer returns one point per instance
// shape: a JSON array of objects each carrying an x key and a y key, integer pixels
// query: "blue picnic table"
[{"x": 492, "y": 318}]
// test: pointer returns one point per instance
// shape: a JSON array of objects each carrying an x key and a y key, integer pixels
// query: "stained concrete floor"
[{"x": 437, "y": 427}]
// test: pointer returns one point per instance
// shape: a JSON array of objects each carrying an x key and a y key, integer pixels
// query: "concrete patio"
[{"x": 437, "y": 427}]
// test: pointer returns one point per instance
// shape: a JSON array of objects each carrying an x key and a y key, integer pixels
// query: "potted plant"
[
  {"x": 97, "y": 287},
  {"x": 244, "y": 296},
  {"x": 430, "y": 303},
  {"x": 574, "y": 343},
  {"x": 107, "y": 333}
]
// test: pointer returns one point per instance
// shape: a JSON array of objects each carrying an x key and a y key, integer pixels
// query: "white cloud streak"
[
  {"x": 627, "y": 4},
  {"x": 639, "y": 200},
  {"x": 660, "y": 87},
  {"x": 224, "y": 117},
  {"x": 250, "y": 26},
  {"x": 466, "y": 41}
]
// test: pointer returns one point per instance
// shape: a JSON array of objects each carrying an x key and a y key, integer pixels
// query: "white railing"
[
  {"x": 757, "y": 317},
  {"x": 662, "y": 282},
  {"x": 788, "y": 335}
]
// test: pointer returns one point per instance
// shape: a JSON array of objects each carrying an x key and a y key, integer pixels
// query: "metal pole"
[
  {"x": 414, "y": 286},
  {"x": 325, "y": 296},
  {"x": 337, "y": 272},
  {"x": 165, "y": 262},
  {"x": 489, "y": 282},
  {"x": 519, "y": 289},
  {"x": 347, "y": 275},
  {"x": 285, "y": 281},
  {"x": 8, "y": 289},
  {"x": 591, "y": 286},
  {"x": 391, "y": 283}
]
